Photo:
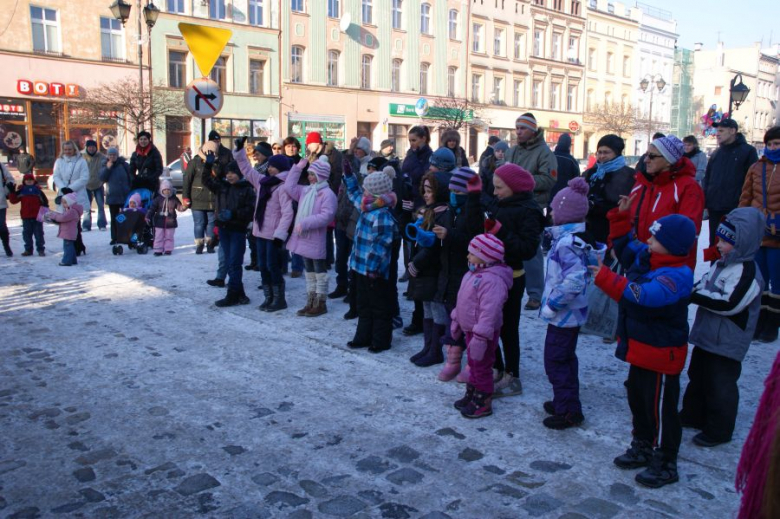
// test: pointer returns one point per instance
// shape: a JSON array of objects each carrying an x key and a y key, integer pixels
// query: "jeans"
[
  {"x": 114, "y": 210},
  {"x": 222, "y": 263},
  {"x": 318, "y": 266},
  {"x": 99, "y": 196},
  {"x": 768, "y": 259},
  {"x": 534, "y": 276},
  {"x": 269, "y": 261},
  {"x": 297, "y": 263},
  {"x": 234, "y": 245},
  {"x": 203, "y": 224},
  {"x": 343, "y": 250},
  {"x": 68, "y": 252},
  {"x": 32, "y": 227}
]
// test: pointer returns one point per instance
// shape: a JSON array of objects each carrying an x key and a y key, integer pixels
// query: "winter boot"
[
  {"x": 452, "y": 367},
  {"x": 434, "y": 355},
  {"x": 463, "y": 376},
  {"x": 216, "y": 282},
  {"x": 310, "y": 297},
  {"x": 638, "y": 455},
  {"x": 427, "y": 333},
  {"x": 508, "y": 385},
  {"x": 320, "y": 306},
  {"x": 463, "y": 402},
  {"x": 199, "y": 245},
  {"x": 210, "y": 245},
  {"x": 242, "y": 297},
  {"x": 661, "y": 471},
  {"x": 563, "y": 421},
  {"x": 481, "y": 405},
  {"x": 269, "y": 297},
  {"x": 311, "y": 291},
  {"x": 231, "y": 299},
  {"x": 769, "y": 333},
  {"x": 760, "y": 324},
  {"x": 279, "y": 303},
  {"x": 341, "y": 291}
]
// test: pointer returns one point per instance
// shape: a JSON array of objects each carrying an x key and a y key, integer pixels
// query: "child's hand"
[
  {"x": 625, "y": 202},
  {"x": 298, "y": 229},
  {"x": 474, "y": 184},
  {"x": 594, "y": 269},
  {"x": 477, "y": 348},
  {"x": 440, "y": 232}
]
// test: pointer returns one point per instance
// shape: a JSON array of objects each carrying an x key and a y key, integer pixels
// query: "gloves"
[
  {"x": 225, "y": 215},
  {"x": 407, "y": 205},
  {"x": 186, "y": 201},
  {"x": 547, "y": 312},
  {"x": 474, "y": 185},
  {"x": 278, "y": 243},
  {"x": 298, "y": 229},
  {"x": 412, "y": 270},
  {"x": 10, "y": 186},
  {"x": 66, "y": 190},
  {"x": 455, "y": 332},
  {"x": 210, "y": 158},
  {"x": 492, "y": 226},
  {"x": 477, "y": 348},
  {"x": 240, "y": 143},
  {"x": 346, "y": 167}
]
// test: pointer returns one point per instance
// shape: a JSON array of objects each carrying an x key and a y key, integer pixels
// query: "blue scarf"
[
  {"x": 603, "y": 168},
  {"x": 772, "y": 155}
]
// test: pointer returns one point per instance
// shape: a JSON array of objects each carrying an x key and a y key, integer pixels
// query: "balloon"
[{"x": 421, "y": 107}]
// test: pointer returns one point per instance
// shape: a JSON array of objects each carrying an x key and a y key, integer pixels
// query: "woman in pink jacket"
[
  {"x": 316, "y": 209},
  {"x": 69, "y": 227},
  {"x": 271, "y": 224}
]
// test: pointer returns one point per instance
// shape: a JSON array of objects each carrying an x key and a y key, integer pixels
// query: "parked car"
[{"x": 174, "y": 173}]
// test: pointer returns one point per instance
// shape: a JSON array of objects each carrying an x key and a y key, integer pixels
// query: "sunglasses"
[
  {"x": 653, "y": 156},
  {"x": 276, "y": 148}
]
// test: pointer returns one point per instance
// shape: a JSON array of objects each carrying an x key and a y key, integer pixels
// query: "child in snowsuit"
[
  {"x": 729, "y": 299},
  {"x": 134, "y": 204},
  {"x": 32, "y": 199},
  {"x": 69, "y": 227},
  {"x": 482, "y": 294},
  {"x": 162, "y": 215},
  {"x": 376, "y": 234},
  {"x": 565, "y": 300},
  {"x": 652, "y": 334}
]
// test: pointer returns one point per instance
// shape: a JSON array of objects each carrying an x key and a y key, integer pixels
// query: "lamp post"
[
  {"x": 738, "y": 93},
  {"x": 658, "y": 82},
  {"x": 151, "y": 12}
]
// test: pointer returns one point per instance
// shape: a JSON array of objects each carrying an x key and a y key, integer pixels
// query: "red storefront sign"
[
  {"x": 41, "y": 88},
  {"x": 574, "y": 126}
]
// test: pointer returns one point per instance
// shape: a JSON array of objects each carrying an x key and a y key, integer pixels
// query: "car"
[{"x": 174, "y": 173}]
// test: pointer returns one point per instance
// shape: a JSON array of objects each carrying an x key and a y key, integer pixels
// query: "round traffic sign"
[
  {"x": 203, "y": 98},
  {"x": 574, "y": 126}
]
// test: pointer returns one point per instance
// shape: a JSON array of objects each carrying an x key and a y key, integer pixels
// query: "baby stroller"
[{"x": 132, "y": 229}]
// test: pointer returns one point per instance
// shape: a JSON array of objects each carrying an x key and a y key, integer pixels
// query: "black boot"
[
  {"x": 242, "y": 297},
  {"x": 341, "y": 291},
  {"x": 269, "y": 297},
  {"x": 463, "y": 402},
  {"x": 760, "y": 324},
  {"x": 231, "y": 299},
  {"x": 638, "y": 455},
  {"x": 661, "y": 471},
  {"x": 427, "y": 333},
  {"x": 769, "y": 332},
  {"x": 211, "y": 244},
  {"x": 199, "y": 245},
  {"x": 279, "y": 302},
  {"x": 434, "y": 354},
  {"x": 216, "y": 282}
]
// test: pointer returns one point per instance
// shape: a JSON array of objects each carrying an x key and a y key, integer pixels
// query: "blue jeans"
[
  {"x": 203, "y": 224},
  {"x": 32, "y": 227},
  {"x": 297, "y": 263},
  {"x": 234, "y": 243},
  {"x": 268, "y": 259},
  {"x": 534, "y": 276},
  {"x": 98, "y": 195},
  {"x": 69, "y": 252},
  {"x": 222, "y": 264}
]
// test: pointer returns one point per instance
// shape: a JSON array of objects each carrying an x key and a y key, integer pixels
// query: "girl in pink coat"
[
  {"x": 478, "y": 314},
  {"x": 316, "y": 209},
  {"x": 69, "y": 222}
]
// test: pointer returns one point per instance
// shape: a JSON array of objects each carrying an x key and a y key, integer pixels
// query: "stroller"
[{"x": 132, "y": 229}]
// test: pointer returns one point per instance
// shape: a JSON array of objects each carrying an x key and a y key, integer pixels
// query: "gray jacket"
[{"x": 729, "y": 295}]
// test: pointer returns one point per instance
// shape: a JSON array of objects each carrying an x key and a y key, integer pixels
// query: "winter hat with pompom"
[
  {"x": 488, "y": 248},
  {"x": 570, "y": 204},
  {"x": 379, "y": 182},
  {"x": 460, "y": 179}
]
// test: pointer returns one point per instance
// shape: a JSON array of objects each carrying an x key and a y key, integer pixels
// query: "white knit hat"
[{"x": 378, "y": 183}]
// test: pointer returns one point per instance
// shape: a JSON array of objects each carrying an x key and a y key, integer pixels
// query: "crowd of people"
[{"x": 472, "y": 242}]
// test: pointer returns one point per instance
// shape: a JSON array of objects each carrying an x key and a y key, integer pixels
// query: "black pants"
[
  {"x": 343, "y": 250},
  {"x": 329, "y": 256},
  {"x": 114, "y": 210},
  {"x": 375, "y": 312},
  {"x": 510, "y": 330},
  {"x": 712, "y": 397},
  {"x": 394, "y": 276},
  {"x": 653, "y": 399},
  {"x": 714, "y": 220}
]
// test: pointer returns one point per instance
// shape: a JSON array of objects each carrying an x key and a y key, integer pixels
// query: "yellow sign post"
[{"x": 205, "y": 43}]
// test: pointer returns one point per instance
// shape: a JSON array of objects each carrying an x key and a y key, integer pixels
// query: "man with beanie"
[
  {"x": 224, "y": 155},
  {"x": 387, "y": 149},
  {"x": 532, "y": 154},
  {"x": 726, "y": 171},
  {"x": 658, "y": 283},
  {"x": 95, "y": 162},
  {"x": 568, "y": 167}
]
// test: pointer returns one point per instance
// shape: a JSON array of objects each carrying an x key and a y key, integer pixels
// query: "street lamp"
[
  {"x": 151, "y": 12},
  {"x": 120, "y": 10},
  {"x": 660, "y": 84},
  {"x": 737, "y": 93}
]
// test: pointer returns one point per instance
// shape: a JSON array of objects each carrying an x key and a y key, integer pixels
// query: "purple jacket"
[
  {"x": 69, "y": 221},
  {"x": 279, "y": 212},
  {"x": 312, "y": 245},
  {"x": 481, "y": 299}
]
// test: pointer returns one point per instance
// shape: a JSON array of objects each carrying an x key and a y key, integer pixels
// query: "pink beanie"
[
  {"x": 321, "y": 168},
  {"x": 488, "y": 248},
  {"x": 570, "y": 204},
  {"x": 516, "y": 178}
]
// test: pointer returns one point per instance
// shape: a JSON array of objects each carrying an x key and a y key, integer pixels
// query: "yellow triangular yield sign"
[{"x": 205, "y": 43}]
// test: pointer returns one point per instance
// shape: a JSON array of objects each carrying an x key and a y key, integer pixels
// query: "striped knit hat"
[
  {"x": 670, "y": 147},
  {"x": 488, "y": 248},
  {"x": 527, "y": 120},
  {"x": 460, "y": 178},
  {"x": 321, "y": 168}
]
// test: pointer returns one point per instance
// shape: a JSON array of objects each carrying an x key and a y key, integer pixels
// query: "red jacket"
[
  {"x": 31, "y": 197},
  {"x": 674, "y": 191}
]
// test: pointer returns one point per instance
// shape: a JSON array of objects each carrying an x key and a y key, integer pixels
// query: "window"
[
  {"x": 219, "y": 72},
  {"x": 296, "y": 6},
  {"x": 425, "y": 18},
  {"x": 574, "y": 52},
  {"x": 368, "y": 12},
  {"x": 498, "y": 42},
  {"x": 538, "y": 43},
  {"x": 498, "y": 91},
  {"x": 477, "y": 43},
  {"x": 453, "y": 24},
  {"x": 589, "y": 101},
  {"x": 296, "y": 64},
  {"x": 608, "y": 98},
  {"x": 176, "y": 6},
  {"x": 610, "y": 63},
  {"x": 333, "y": 68},
  {"x": 451, "y": 72},
  {"x": 626, "y": 66},
  {"x": 536, "y": 96},
  {"x": 256, "y": 76},
  {"x": 111, "y": 38},
  {"x": 395, "y": 76},
  {"x": 517, "y": 99},
  {"x": 575, "y": 8},
  {"x": 558, "y": 5},
  {"x": 611, "y": 8},
  {"x": 424, "y": 78},
  {"x": 177, "y": 69},
  {"x": 333, "y": 8},
  {"x": 571, "y": 99},
  {"x": 518, "y": 45},
  {"x": 397, "y": 12},
  {"x": 556, "y": 46},
  {"x": 45, "y": 29},
  {"x": 365, "y": 72},
  {"x": 555, "y": 90},
  {"x": 217, "y": 9},
  {"x": 255, "y": 12},
  {"x": 592, "y": 59},
  {"x": 475, "y": 81},
  {"x": 624, "y": 100}
]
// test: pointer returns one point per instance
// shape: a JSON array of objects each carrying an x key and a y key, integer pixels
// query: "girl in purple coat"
[
  {"x": 478, "y": 315},
  {"x": 69, "y": 223},
  {"x": 316, "y": 209}
]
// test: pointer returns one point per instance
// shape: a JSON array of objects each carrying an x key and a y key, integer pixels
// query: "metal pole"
[
  {"x": 731, "y": 97},
  {"x": 140, "y": 67},
  {"x": 650, "y": 119},
  {"x": 151, "y": 105}
]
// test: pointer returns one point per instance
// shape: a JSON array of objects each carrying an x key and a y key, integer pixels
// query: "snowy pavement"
[{"x": 124, "y": 392}]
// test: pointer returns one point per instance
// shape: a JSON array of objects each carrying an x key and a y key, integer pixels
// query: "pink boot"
[
  {"x": 464, "y": 375},
  {"x": 452, "y": 366}
]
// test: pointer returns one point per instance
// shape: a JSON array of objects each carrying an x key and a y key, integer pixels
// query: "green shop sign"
[{"x": 434, "y": 112}]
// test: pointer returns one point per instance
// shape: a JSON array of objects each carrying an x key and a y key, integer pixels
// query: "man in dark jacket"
[
  {"x": 726, "y": 172},
  {"x": 24, "y": 162},
  {"x": 224, "y": 155},
  {"x": 115, "y": 173},
  {"x": 568, "y": 167},
  {"x": 146, "y": 164}
]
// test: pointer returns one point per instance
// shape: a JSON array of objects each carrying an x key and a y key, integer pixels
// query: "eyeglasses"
[
  {"x": 653, "y": 156},
  {"x": 276, "y": 148}
]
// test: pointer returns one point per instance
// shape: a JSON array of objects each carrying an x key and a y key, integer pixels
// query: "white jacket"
[
  {"x": 6, "y": 177},
  {"x": 72, "y": 172}
]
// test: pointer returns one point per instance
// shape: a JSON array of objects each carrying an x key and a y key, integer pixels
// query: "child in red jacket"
[{"x": 32, "y": 199}]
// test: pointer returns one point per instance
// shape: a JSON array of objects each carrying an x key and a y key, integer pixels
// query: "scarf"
[
  {"x": 772, "y": 155},
  {"x": 264, "y": 192},
  {"x": 143, "y": 151},
  {"x": 602, "y": 168},
  {"x": 306, "y": 204},
  {"x": 692, "y": 153},
  {"x": 371, "y": 202}
]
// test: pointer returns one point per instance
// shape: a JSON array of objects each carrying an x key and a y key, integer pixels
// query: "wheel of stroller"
[
  {"x": 114, "y": 250},
  {"x": 142, "y": 249},
  {"x": 120, "y": 250}
]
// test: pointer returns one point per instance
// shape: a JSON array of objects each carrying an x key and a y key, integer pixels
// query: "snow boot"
[
  {"x": 549, "y": 408},
  {"x": 434, "y": 355},
  {"x": 310, "y": 297},
  {"x": 769, "y": 332},
  {"x": 341, "y": 291},
  {"x": 481, "y": 405},
  {"x": 563, "y": 421},
  {"x": 242, "y": 297},
  {"x": 269, "y": 297},
  {"x": 231, "y": 299},
  {"x": 661, "y": 471},
  {"x": 427, "y": 333},
  {"x": 452, "y": 367},
  {"x": 199, "y": 245},
  {"x": 463, "y": 402},
  {"x": 638, "y": 455},
  {"x": 463, "y": 376},
  {"x": 279, "y": 303},
  {"x": 211, "y": 245},
  {"x": 216, "y": 282},
  {"x": 319, "y": 307}
]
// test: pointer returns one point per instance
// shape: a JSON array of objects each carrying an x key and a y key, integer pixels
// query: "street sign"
[
  {"x": 574, "y": 126},
  {"x": 205, "y": 44},
  {"x": 203, "y": 98}
]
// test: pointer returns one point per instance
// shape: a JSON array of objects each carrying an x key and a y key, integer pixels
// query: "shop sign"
[
  {"x": 81, "y": 113},
  {"x": 40, "y": 88},
  {"x": 554, "y": 123},
  {"x": 12, "y": 112},
  {"x": 574, "y": 126},
  {"x": 434, "y": 112}
]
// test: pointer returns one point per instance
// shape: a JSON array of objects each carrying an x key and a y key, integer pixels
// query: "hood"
[
  {"x": 557, "y": 231},
  {"x": 749, "y": 224},
  {"x": 683, "y": 168},
  {"x": 365, "y": 145},
  {"x": 502, "y": 272},
  {"x": 450, "y": 135},
  {"x": 166, "y": 184},
  {"x": 564, "y": 144}
]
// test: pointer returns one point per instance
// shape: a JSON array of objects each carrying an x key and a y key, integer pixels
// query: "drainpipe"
[{"x": 279, "y": 54}]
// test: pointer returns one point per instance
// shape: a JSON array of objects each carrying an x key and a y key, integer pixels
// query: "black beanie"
[
  {"x": 144, "y": 133},
  {"x": 89, "y": 143},
  {"x": 612, "y": 142},
  {"x": 214, "y": 136},
  {"x": 233, "y": 168},
  {"x": 264, "y": 149},
  {"x": 772, "y": 134}
]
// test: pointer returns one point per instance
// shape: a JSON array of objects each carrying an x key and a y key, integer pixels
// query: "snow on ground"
[{"x": 124, "y": 392}]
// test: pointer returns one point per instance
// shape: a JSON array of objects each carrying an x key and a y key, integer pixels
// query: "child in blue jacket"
[{"x": 652, "y": 334}]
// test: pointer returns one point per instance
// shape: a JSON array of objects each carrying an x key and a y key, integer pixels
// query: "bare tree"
[
  {"x": 451, "y": 112},
  {"x": 122, "y": 102},
  {"x": 618, "y": 118}
]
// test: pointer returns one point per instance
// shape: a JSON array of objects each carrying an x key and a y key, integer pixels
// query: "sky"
[{"x": 740, "y": 23}]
